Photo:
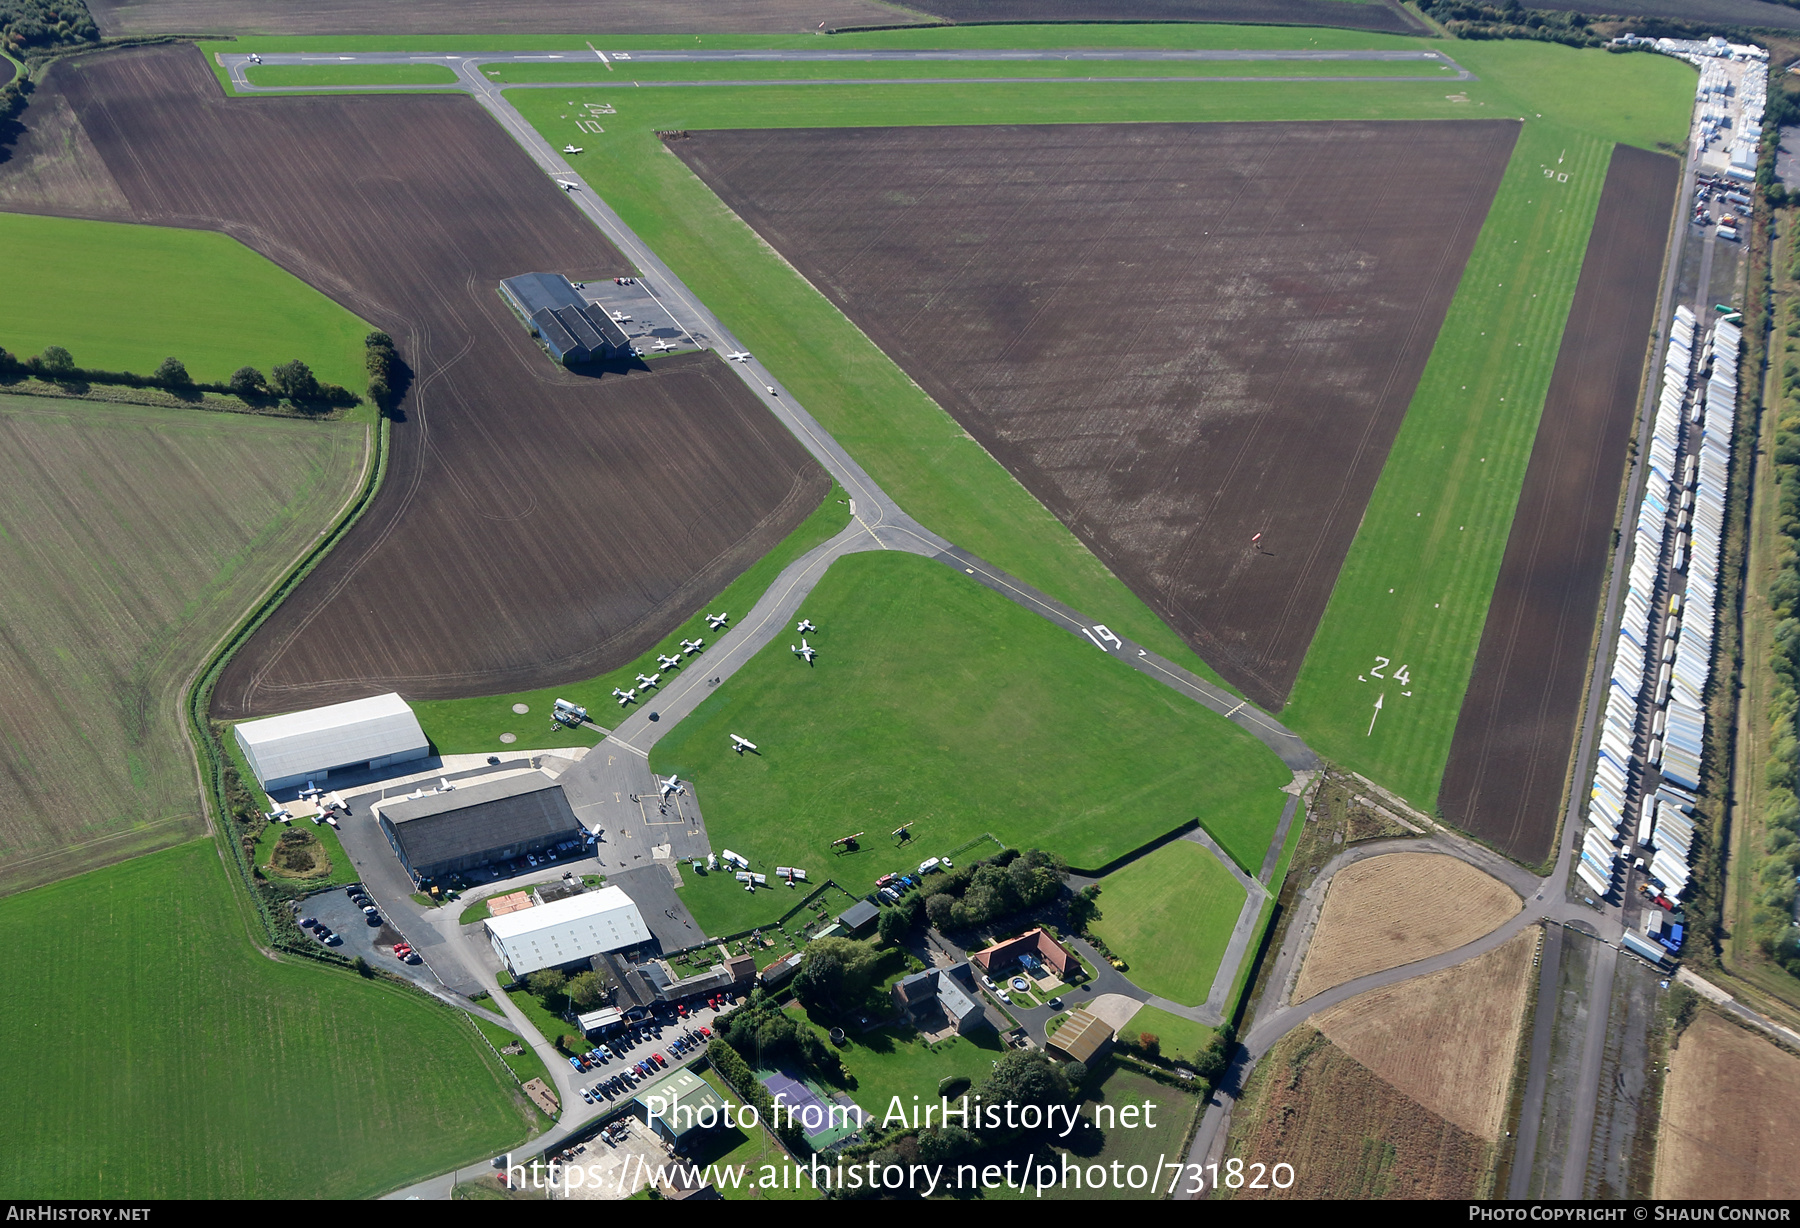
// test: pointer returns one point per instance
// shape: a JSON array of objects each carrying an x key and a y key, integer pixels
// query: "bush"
[
  {"x": 173, "y": 373},
  {"x": 295, "y": 381},
  {"x": 248, "y": 382},
  {"x": 56, "y": 361}
]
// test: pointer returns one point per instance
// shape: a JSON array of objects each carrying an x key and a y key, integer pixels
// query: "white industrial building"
[
  {"x": 362, "y": 735},
  {"x": 579, "y": 927}
]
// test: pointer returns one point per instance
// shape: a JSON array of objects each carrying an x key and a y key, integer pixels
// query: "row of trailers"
[{"x": 1664, "y": 655}]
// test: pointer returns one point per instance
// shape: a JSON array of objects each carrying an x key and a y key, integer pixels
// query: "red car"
[
  {"x": 660, "y": 1059},
  {"x": 706, "y": 1031},
  {"x": 887, "y": 880}
]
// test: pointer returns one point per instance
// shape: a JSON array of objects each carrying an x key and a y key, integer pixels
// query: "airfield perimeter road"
[{"x": 879, "y": 523}]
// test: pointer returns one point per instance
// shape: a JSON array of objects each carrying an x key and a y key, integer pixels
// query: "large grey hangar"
[{"x": 362, "y": 735}]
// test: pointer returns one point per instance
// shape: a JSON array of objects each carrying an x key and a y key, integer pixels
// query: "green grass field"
[
  {"x": 885, "y": 1065},
  {"x": 1169, "y": 915},
  {"x": 596, "y": 73},
  {"x": 1181, "y": 1039},
  {"x": 474, "y": 726},
  {"x": 123, "y": 298},
  {"x": 349, "y": 74},
  {"x": 938, "y": 702},
  {"x": 155, "y": 1054},
  {"x": 1441, "y": 509},
  {"x": 131, "y": 538}
]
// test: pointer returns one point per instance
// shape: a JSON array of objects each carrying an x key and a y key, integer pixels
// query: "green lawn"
[
  {"x": 123, "y": 298},
  {"x": 131, "y": 538},
  {"x": 1574, "y": 102},
  {"x": 474, "y": 726},
  {"x": 1169, "y": 915},
  {"x": 350, "y": 74},
  {"x": 937, "y": 702},
  {"x": 154, "y": 1053},
  {"x": 525, "y": 1065},
  {"x": 1171, "y": 1110},
  {"x": 730, "y": 1146},
  {"x": 885, "y": 1065},
  {"x": 593, "y": 72},
  {"x": 547, "y": 1021},
  {"x": 1181, "y": 1039}
]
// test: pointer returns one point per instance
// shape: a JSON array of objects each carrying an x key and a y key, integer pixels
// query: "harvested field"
[
  {"x": 1728, "y": 1116},
  {"x": 119, "y": 18},
  {"x": 1165, "y": 331},
  {"x": 131, "y": 539},
  {"x": 528, "y": 530},
  {"x": 1395, "y": 909},
  {"x": 50, "y": 166},
  {"x": 1449, "y": 1039},
  {"x": 1375, "y": 15},
  {"x": 1516, "y": 730},
  {"x": 1735, "y": 12},
  {"x": 1347, "y": 1133}
]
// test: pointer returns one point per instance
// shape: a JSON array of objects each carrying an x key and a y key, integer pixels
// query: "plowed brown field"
[
  {"x": 535, "y": 525},
  {"x": 1448, "y": 1039},
  {"x": 139, "y": 17},
  {"x": 1348, "y": 1134},
  {"x": 1516, "y": 730},
  {"x": 1177, "y": 336},
  {"x": 1376, "y": 15},
  {"x": 1728, "y": 1116},
  {"x": 1392, "y": 910}
]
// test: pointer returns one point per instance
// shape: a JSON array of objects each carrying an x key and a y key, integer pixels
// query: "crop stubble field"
[
  {"x": 123, "y": 18},
  {"x": 131, "y": 539},
  {"x": 1347, "y": 1132},
  {"x": 1728, "y": 1115},
  {"x": 1395, "y": 909},
  {"x": 1448, "y": 1039},
  {"x": 1515, "y": 733},
  {"x": 1166, "y": 333},
  {"x": 535, "y": 524}
]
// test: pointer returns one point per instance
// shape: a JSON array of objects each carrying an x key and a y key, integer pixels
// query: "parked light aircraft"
[
  {"x": 740, "y": 745},
  {"x": 571, "y": 149},
  {"x": 805, "y": 650},
  {"x": 692, "y": 646},
  {"x": 715, "y": 621},
  {"x": 806, "y": 624},
  {"x": 671, "y": 785},
  {"x": 652, "y": 681},
  {"x": 668, "y": 662},
  {"x": 625, "y": 697},
  {"x": 566, "y": 186},
  {"x": 662, "y": 347},
  {"x": 738, "y": 356}
]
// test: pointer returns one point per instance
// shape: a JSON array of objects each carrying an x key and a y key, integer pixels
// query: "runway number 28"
[{"x": 1400, "y": 675}]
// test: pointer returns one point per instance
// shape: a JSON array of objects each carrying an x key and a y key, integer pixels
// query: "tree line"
[
  {"x": 978, "y": 893},
  {"x": 293, "y": 381}
]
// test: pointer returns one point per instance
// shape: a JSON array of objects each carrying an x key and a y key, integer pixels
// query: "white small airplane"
[
  {"x": 652, "y": 681},
  {"x": 738, "y": 356},
  {"x": 668, "y": 662},
  {"x": 740, "y": 745},
  {"x": 566, "y": 186},
  {"x": 805, "y": 650},
  {"x": 255, "y": 59},
  {"x": 571, "y": 149},
  {"x": 662, "y": 347},
  {"x": 715, "y": 621},
  {"x": 771, "y": 388},
  {"x": 671, "y": 785},
  {"x": 625, "y": 697},
  {"x": 692, "y": 646},
  {"x": 806, "y": 624}
]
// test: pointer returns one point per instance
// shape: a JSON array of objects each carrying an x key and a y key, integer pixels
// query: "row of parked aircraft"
[
  {"x": 688, "y": 648},
  {"x": 806, "y": 652}
]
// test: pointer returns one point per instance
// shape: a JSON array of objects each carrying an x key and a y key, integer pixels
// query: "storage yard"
[
  {"x": 544, "y": 505},
  {"x": 1449, "y": 1039},
  {"x": 1394, "y": 909},
  {"x": 1203, "y": 390},
  {"x": 1514, "y": 736},
  {"x": 1728, "y": 1115}
]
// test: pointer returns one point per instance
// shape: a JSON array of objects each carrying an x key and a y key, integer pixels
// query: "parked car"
[
  {"x": 307, "y": 923},
  {"x": 661, "y": 1060}
]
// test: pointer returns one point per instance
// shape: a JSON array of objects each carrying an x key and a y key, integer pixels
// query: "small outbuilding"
[
  {"x": 1082, "y": 1036},
  {"x": 859, "y": 918},
  {"x": 361, "y": 735},
  {"x": 680, "y": 1108}
]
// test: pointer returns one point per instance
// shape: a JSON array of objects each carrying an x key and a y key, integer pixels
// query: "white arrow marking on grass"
[{"x": 1378, "y": 700}]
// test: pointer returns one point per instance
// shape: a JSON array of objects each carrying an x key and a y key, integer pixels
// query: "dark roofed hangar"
[
  {"x": 498, "y": 820},
  {"x": 571, "y": 328}
]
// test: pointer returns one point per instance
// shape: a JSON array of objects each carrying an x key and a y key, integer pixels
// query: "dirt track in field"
[
  {"x": 118, "y": 18},
  {"x": 535, "y": 525},
  {"x": 1177, "y": 336},
  {"x": 1516, "y": 731},
  {"x": 1728, "y": 1116},
  {"x": 1377, "y": 15},
  {"x": 1392, "y": 910},
  {"x": 1449, "y": 1039}
]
